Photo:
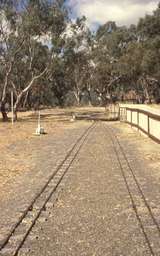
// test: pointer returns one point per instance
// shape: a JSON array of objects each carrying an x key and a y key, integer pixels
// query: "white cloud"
[
  {"x": 45, "y": 39},
  {"x": 124, "y": 12}
]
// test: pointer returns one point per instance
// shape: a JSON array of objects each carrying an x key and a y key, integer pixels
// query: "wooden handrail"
[
  {"x": 145, "y": 112},
  {"x": 149, "y": 116}
]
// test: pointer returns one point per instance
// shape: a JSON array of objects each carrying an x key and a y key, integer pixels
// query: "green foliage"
[
  {"x": 80, "y": 66},
  {"x": 150, "y": 25}
]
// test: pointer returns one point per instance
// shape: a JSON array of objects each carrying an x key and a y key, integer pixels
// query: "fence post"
[
  {"x": 125, "y": 113},
  {"x": 131, "y": 117},
  {"x": 148, "y": 125},
  {"x": 119, "y": 113},
  {"x": 138, "y": 119}
]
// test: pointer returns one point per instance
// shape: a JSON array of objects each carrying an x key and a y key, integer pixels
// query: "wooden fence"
[
  {"x": 113, "y": 111},
  {"x": 144, "y": 120}
]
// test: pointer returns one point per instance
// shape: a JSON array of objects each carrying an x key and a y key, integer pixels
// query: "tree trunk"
[
  {"x": 15, "y": 108},
  {"x": 16, "y": 104},
  {"x": 89, "y": 95},
  {"x": 77, "y": 96},
  {"x": 25, "y": 91},
  {"x": 3, "y": 112},
  {"x": 3, "y": 99},
  {"x": 15, "y": 117},
  {"x": 78, "y": 99},
  {"x": 147, "y": 95},
  {"x": 25, "y": 100}
]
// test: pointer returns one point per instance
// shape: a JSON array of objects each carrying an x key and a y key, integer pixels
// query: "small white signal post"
[{"x": 39, "y": 130}]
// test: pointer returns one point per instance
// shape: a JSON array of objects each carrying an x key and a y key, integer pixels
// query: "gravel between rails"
[{"x": 94, "y": 214}]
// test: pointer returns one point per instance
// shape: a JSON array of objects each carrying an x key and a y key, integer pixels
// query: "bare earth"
[
  {"x": 13, "y": 161},
  {"x": 93, "y": 214}
]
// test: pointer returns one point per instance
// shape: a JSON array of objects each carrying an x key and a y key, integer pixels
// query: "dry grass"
[
  {"x": 147, "y": 148},
  {"x": 157, "y": 106},
  {"x": 13, "y": 161}
]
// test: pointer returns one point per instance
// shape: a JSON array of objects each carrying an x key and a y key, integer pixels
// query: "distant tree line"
[{"x": 47, "y": 60}]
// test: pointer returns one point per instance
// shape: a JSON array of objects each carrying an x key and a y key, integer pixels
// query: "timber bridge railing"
[{"x": 145, "y": 119}]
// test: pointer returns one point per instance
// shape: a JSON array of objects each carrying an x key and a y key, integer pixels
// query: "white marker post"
[
  {"x": 39, "y": 120},
  {"x": 12, "y": 107},
  {"x": 39, "y": 130}
]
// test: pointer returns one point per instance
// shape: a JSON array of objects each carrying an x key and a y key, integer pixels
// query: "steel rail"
[
  {"x": 115, "y": 139},
  {"x": 79, "y": 143}
]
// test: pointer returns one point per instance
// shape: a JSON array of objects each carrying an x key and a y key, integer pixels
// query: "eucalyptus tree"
[
  {"x": 149, "y": 26},
  {"x": 77, "y": 57},
  {"x": 110, "y": 44},
  {"x": 30, "y": 46},
  {"x": 42, "y": 24},
  {"x": 8, "y": 51},
  {"x": 149, "y": 33},
  {"x": 150, "y": 66}
]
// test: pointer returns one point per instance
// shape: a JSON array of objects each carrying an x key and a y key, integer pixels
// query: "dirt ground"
[
  {"x": 26, "y": 161},
  {"x": 13, "y": 161},
  {"x": 94, "y": 214},
  {"x": 54, "y": 121},
  {"x": 147, "y": 148}
]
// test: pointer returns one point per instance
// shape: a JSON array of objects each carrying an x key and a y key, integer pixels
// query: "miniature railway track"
[
  {"x": 148, "y": 223},
  {"x": 18, "y": 234}
]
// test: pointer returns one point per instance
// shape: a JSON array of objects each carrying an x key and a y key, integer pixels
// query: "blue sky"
[{"x": 124, "y": 12}]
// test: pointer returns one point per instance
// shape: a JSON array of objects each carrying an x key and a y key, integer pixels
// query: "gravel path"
[
  {"x": 93, "y": 214},
  {"x": 46, "y": 153}
]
